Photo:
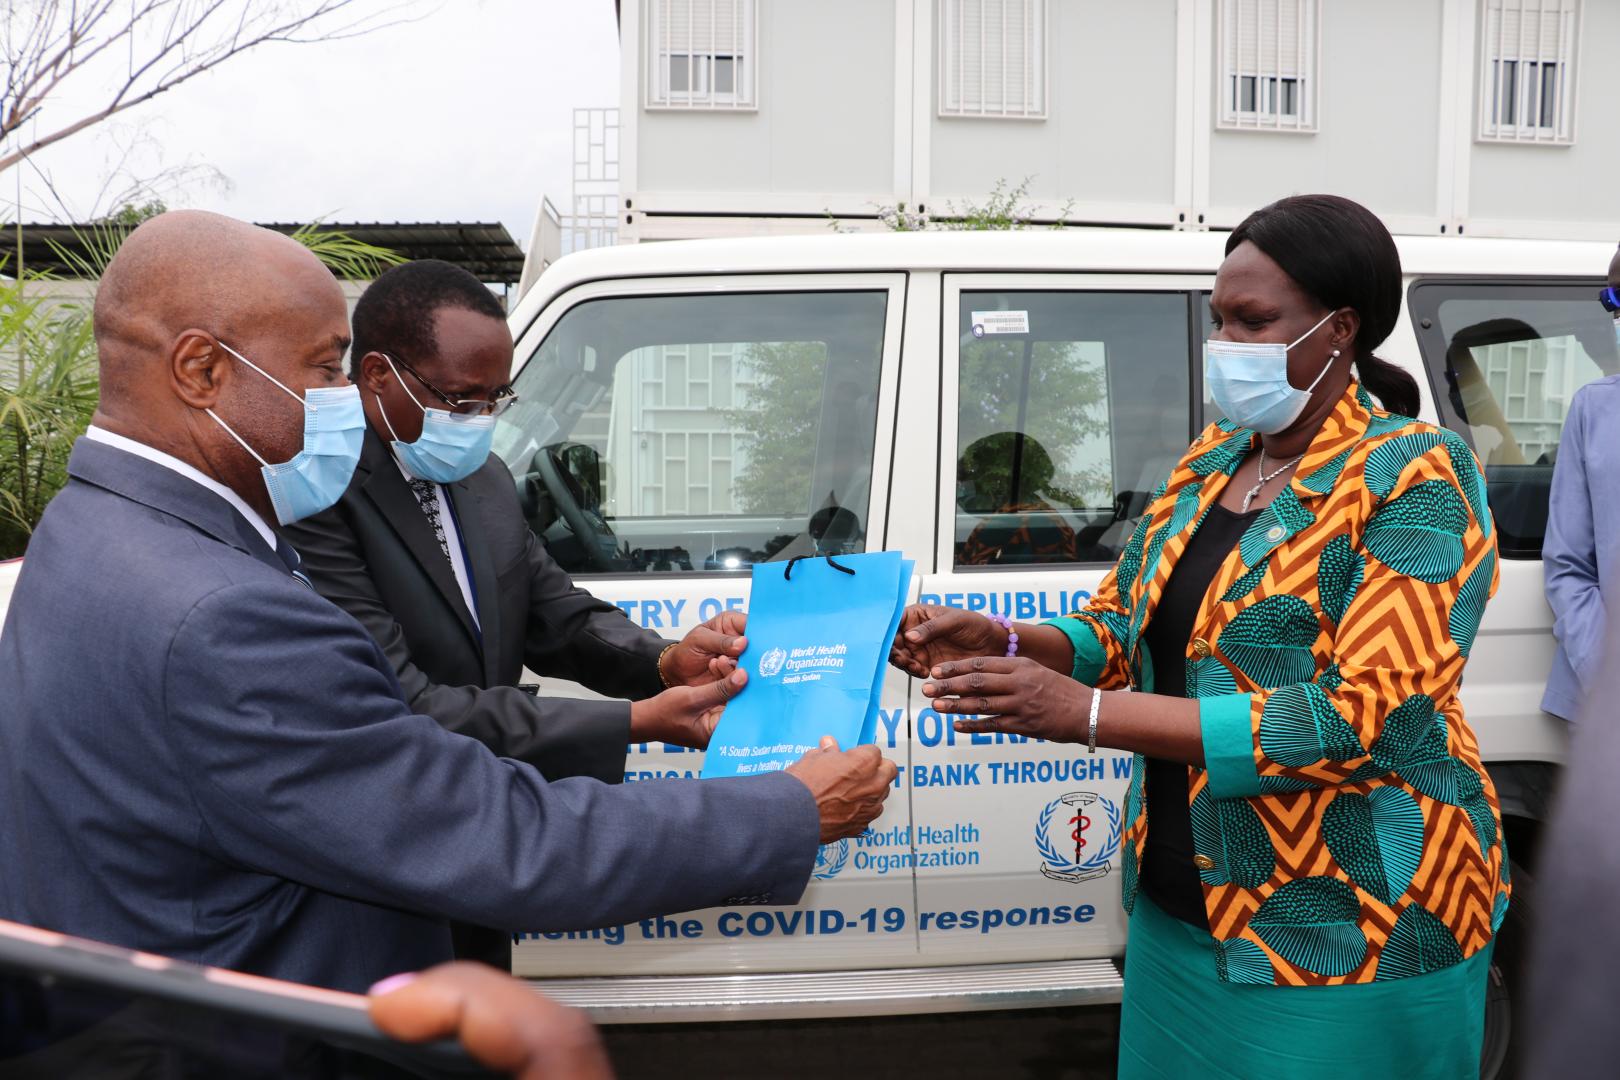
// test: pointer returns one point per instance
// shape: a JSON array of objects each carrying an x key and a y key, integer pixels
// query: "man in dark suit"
[
  {"x": 446, "y": 575},
  {"x": 200, "y": 756},
  {"x": 444, "y": 572}
]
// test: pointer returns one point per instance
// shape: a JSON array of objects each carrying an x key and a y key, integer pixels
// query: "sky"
[{"x": 464, "y": 115}]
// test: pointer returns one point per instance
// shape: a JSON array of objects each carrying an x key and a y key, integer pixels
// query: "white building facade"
[{"x": 1479, "y": 117}]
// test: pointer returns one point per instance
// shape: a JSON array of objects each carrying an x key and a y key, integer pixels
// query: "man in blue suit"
[{"x": 200, "y": 756}]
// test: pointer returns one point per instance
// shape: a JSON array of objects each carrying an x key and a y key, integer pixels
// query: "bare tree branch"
[{"x": 169, "y": 42}]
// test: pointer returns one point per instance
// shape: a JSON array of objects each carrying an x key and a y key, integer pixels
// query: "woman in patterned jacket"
[{"x": 1313, "y": 862}]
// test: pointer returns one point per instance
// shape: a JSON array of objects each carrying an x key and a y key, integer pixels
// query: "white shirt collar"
[
  {"x": 410, "y": 477},
  {"x": 168, "y": 461}
]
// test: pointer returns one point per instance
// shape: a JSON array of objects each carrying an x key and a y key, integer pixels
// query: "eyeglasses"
[
  {"x": 1610, "y": 300},
  {"x": 504, "y": 397}
]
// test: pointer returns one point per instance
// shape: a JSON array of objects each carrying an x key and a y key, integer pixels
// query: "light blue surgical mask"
[
  {"x": 1617, "y": 331},
  {"x": 315, "y": 477},
  {"x": 451, "y": 446},
  {"x": 1249, "y": 381}
]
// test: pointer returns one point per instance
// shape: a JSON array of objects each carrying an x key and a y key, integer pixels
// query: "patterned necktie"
[{"x": 427, "y": 497}]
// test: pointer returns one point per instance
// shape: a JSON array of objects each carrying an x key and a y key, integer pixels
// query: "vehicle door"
[
  {"x": 670, "y": 435},
  {"x": 1506, "y": 358},
  {"x": 1066, "y": 400}
]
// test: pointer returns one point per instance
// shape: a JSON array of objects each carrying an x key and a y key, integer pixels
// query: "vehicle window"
[
  {"x": 706, "y": 432},
  {"x": 1211, "y": 412},
  {"x": 1073, "y": 407},
  {"x": 1511, "y": 358}
]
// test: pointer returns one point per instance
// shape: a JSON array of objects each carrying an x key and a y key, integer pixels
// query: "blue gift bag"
[{"x": 818, "y": 643}]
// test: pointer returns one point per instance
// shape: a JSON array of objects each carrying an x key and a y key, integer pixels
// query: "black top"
[{"x": 1168, "y": 875}]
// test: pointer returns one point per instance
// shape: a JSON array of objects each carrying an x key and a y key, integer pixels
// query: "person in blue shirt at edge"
[
  {"x": 203, "y": 758},
  {"x": 428, "y": 548},
  {"x": 1583, "y": 531}
]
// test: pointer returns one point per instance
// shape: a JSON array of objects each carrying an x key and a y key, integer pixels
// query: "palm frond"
[
  {"x": 346, "y": 256},
  {"x": 94, "y": 247}
]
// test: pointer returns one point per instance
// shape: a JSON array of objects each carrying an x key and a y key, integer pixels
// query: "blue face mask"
[
  {"x": 1249, "y": 381},
  {"x": 451, "y": 446},
  {"x": 315, "y": 477}
]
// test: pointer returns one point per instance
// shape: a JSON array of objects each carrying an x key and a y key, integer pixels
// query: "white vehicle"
[
  {"x": 689, "y": 409},
  {"x": 997, "y": 406}
]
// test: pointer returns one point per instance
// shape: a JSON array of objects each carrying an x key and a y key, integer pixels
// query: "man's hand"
[
  {"x": 685, "y": 715},
  {"x": 1011, "y": 694},
  {"x": 931, "y": 635},
  {"x": 708, "y": 652},
  {"x": 849, "y": 786},
  {"x": 504, "y": 1025}
]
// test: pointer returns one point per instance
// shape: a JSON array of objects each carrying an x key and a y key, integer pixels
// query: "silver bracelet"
[{"x": 1096, "y": 704}]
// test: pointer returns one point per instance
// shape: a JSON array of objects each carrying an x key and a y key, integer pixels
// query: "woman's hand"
[
  {"x": 1011, "y": 694},
  {"x": 931, "y": 635}
]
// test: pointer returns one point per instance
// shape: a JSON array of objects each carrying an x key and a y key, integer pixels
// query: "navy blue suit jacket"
[{"x": 201, "y": 757}]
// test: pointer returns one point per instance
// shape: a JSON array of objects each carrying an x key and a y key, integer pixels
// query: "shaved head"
[
  {"x": 189, "y": 268},
  {"x": 182, "y": 284}
]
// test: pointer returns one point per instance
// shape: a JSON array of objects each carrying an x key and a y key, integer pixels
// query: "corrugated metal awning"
[{"x": 486, "y": 250}]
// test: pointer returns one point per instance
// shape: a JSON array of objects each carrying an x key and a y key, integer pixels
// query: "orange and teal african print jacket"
[{"x": 1345, "y": 829}]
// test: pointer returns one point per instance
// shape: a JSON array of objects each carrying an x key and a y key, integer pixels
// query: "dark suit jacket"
[
  {"x": 375, "y": 556},
  {"x": 201, "y": 757}
]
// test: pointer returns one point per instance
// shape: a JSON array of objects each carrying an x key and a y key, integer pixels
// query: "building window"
[
  {"x": 1268, "y": 52},
  {"x": 701, "y": 54},
  {"x": 992, "y": 58},
  {"x": 1527, "y": 70}
]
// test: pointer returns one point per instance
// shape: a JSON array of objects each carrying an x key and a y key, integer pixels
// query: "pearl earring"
[{"x": 1335, "y": 354}]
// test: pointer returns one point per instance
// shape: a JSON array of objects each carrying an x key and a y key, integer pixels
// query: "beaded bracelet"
[{"x": 1007, "y": 625}]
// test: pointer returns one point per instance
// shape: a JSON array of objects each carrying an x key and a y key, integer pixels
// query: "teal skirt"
[{"x": 1179, "y": 1020}]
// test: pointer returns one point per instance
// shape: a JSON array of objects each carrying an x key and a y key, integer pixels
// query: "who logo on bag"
[
  {"x": 819, "y": 631},
  {"x": 1077, "y": 836}
]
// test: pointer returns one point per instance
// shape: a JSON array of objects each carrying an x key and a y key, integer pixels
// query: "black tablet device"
[{"x": 70, "y": 1008}]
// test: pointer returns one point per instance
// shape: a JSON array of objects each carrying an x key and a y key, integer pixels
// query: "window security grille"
[
  {"x": 1527, "y": 70},
  {"x": 992, "y": 58},
  {"x": 702, "y": 54},
  {"x": 1268, "y": 53}
]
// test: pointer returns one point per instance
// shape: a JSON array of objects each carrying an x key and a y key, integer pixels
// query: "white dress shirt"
[{"x": 174, "y": 464}]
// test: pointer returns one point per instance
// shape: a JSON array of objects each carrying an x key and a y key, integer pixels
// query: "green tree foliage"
[
  {"x": 1004, "y": 209},
  {"x": 781, "y": 383},
  {"x": 1052, "y": 393},
  {"x": 132, "y": 214},
  {"x": 48, "y": 390}
]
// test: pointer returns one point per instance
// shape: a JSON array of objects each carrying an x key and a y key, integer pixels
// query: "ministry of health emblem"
[{"x": 1077, "y": 835}]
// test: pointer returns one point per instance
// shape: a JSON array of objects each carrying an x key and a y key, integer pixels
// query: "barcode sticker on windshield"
[{"x": 1000, "y": 322}]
